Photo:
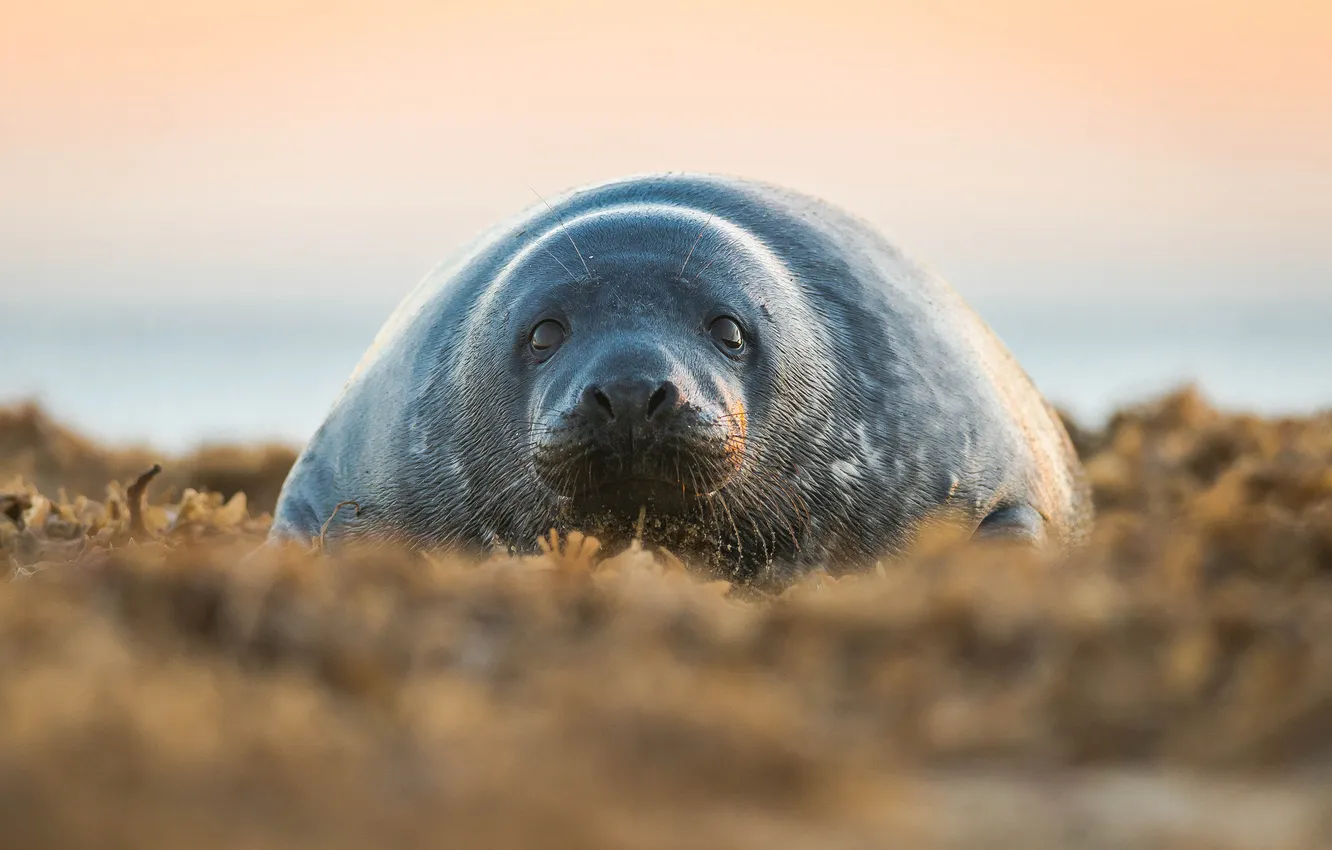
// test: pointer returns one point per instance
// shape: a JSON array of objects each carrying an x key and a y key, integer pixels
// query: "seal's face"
[
  {"x": 637, "y": 393},
  {"x": 644, "y": 399},
  {"x": 635, "y": 426}
]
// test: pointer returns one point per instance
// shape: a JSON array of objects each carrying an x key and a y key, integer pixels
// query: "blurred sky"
[
  {"x": 287, "y": 149},
  {"x": 259, "y": 181}
]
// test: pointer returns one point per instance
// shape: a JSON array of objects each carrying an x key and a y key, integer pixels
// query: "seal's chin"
[{"x": 626, "y": 496}]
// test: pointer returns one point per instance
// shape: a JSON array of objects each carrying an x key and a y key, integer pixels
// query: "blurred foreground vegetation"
[{"x": 1169, "y": 686}]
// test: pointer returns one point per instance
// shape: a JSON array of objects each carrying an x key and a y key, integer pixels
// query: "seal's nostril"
[
  {"x": 662, "y": 398},
  {"x": 604, "y": 401},
  {"x": 657, "y": 398}
]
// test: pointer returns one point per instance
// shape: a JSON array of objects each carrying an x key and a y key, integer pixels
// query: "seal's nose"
[{"x": 630, "y": 401}]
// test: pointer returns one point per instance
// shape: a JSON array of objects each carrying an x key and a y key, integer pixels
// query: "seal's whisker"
[
  {"x": 709, "y": 263},
  {"x": 565, "y": 227},
  {"x": 496, "y": 504},
  {"x": 739, "y": 543},
  {"x": 566, "y": 470},
  {"x": 748, "y": 514},
  {"x": 707, "y": 500},
  {"x": 572, "y": 277},
  {"x": 759, "y": 489},
  {"x": 760, "y": 498},
  {"x": 697, "y": 239}
]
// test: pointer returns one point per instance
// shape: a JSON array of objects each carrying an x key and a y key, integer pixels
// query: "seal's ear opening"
[{"x": 1020, "y": 523}]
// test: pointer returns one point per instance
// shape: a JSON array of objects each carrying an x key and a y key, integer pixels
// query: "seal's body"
[{"x": 742, "y": 374}]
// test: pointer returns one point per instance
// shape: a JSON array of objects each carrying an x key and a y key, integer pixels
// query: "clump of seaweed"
[
  {"x": 164, "y": 683},
  {"x": 50, "y": 457}
]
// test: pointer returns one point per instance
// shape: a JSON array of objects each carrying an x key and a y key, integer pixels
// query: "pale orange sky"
[{"x": 273, "y": 149}]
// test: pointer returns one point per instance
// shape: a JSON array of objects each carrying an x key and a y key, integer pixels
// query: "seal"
[{"x": 740, "y": 373}]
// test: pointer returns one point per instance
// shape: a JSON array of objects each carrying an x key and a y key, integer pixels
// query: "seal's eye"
[
  {"x": 725, "y": 331},
  {"x": 546, "y": 337}
]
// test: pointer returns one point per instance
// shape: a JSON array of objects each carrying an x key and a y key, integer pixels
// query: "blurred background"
[{"x": 207, "y": 209}]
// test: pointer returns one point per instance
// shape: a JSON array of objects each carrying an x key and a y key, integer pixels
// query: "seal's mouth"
[
  {"x": 667, "y": 479},
  {"x": 692, "y": 492},
  {"x": 612, "y": 454}
]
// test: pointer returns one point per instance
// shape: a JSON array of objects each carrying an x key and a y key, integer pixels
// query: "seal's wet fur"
[{"x": 868, "y": 396}]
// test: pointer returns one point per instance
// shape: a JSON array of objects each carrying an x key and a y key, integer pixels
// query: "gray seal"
[{"x": 742, "y": 374}]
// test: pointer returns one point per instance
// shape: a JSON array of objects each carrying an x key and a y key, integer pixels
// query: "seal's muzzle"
[{"x": 633, "y": 441}]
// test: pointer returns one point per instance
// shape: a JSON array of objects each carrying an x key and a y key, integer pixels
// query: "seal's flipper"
[{"x": 1016, "y": 523}]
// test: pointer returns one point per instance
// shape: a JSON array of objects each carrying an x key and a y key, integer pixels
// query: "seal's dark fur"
[{"x": 868, "y": 397}]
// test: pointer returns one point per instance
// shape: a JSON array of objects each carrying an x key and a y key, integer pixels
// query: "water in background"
[{"x": 181, "y": 375}]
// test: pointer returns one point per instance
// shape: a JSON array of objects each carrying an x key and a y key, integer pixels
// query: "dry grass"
[{"x": 1171, "y": 686}]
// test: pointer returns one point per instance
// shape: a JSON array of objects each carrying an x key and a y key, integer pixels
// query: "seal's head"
[{"x": 641, "y": 397}]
